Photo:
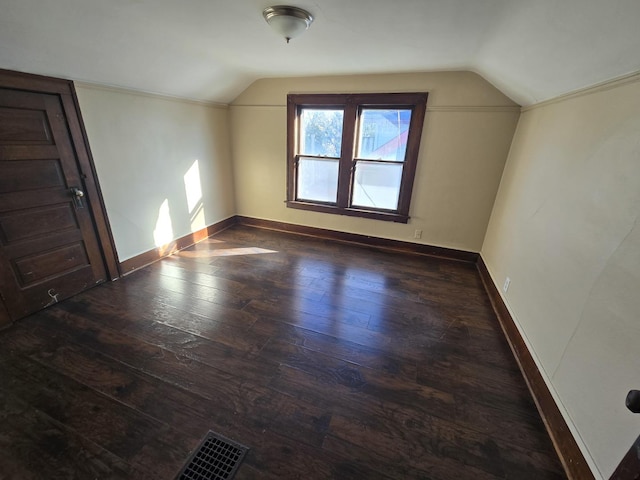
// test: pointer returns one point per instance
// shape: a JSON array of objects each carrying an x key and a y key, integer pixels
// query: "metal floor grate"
[{"x": 217, "y": 458}]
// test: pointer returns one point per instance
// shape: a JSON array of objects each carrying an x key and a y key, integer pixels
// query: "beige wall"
[
  {"x": 467, "y": 133},
  {"x": 565, "y": 229},
  {"x": 143, "y": 147}
]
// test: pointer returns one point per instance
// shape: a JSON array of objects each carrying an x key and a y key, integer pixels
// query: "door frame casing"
[{"x": 65, "y": 90}]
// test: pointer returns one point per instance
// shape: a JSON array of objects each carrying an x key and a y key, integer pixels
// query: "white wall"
[
  {"x": 468, "y": 129},
  {"x": 565, "y": 229},
  {"x": 143, "y": 147}
]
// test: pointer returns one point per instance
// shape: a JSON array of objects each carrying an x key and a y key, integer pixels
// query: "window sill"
[{"x": 351, "y": 212}]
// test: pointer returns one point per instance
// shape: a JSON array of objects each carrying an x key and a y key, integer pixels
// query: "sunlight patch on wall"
[
  {"x": 163, "y": 233},
  {"x": 193, "y": 191},
  {"x": 197, "y": 220},
  {"x": 192, "y": 186}
]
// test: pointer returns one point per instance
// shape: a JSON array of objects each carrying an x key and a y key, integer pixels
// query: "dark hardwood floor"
[{"x": 327, "y": 360}]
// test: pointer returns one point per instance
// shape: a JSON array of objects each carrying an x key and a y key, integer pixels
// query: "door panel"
[
  {"x": 17, "y": 176},
  {"x": 24, "y": 127},
  {"x": 49, "y": 248},
  {"x": 34, "y": 222},
  {"x": 34, "y": 268}
]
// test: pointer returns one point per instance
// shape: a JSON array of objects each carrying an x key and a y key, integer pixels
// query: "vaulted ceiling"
[{"x": 532, "y": 50}]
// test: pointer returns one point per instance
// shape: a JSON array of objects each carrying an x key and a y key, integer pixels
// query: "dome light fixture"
[{"x": 289, "y": 22}]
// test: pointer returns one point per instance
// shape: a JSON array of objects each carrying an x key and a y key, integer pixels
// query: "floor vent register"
[{"x": 216, "y": 458}]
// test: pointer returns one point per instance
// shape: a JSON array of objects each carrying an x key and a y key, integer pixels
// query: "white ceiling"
[{"x": 212, "y": 50}]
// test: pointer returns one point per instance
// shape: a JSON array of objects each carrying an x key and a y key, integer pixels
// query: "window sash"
[
  {"x": 358, "y": 189},
  {"x": 352, "y": 105},
  {"x": 315, "y": 166},
  {"x": 366, "y": 111}
]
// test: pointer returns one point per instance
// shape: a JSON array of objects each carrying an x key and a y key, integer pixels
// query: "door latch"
[{"x": 77, "y": 195}]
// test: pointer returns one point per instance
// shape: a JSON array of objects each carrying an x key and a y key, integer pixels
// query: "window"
[{"x": 354, "y": 154}]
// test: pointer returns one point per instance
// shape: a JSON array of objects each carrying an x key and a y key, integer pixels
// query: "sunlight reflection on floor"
[{"x": 223, "y": 252}]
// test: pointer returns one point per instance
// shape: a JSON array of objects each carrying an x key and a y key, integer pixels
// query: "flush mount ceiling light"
[{"x": 289, "y": 22}]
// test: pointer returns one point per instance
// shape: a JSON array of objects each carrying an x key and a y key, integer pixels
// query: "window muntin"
[{"x": 354, "y": 154}]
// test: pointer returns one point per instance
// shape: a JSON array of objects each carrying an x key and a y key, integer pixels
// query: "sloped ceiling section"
[
  {"x": 212, "y": 50},
  {"x": 541, "y": 49}
]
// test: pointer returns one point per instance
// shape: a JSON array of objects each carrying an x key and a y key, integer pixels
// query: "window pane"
[
  {"x": 383, "y": 134},
  {"x": 321, "y": 132},
  {"x": 377, "y": 185},
  {"x": 318, "y": 179}
]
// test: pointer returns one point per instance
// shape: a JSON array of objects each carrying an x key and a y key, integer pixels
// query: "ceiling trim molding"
[
  {"x": 480, "y": 109},
  {"x": 258, "y": 105},
  {"x": 142, "y": 93},
  {"x": 598, "y": 87},
  {"x": 441, "y": 108}
]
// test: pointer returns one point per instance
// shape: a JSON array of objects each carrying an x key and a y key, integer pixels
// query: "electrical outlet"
[
  {"x": 417, "y": 234},
  {"x": 507, "y": 282}
]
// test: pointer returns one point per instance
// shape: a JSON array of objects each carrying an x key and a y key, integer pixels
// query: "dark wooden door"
[{"x": 49, "y": 248}]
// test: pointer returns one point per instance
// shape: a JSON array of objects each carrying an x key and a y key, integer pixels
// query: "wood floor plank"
[
  {"x": 330, "y": 361},
  {"x": 338, "y": 348},
  {"x": 271, "y": 318},
  {"x": 388, "y": 464},
  {"x": 248, "y": 402},
  {"x": 123, "y": 432},
  {"x": 295, "y": 306},
  {"x": 119, "y": 299},
  {"x": 433, "y": 453},
  {"x": 196, "y": 275},
  {"x": 35, "y": 446},
  {"x": 246, "y": 281},
  {"x": 344, "y": 391},
  {"x": 489, "y": 385},
  {"x": 433, "y": 445},
  {"x": 190, "y": 345},
  {"x": 189, "y": 411}
]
